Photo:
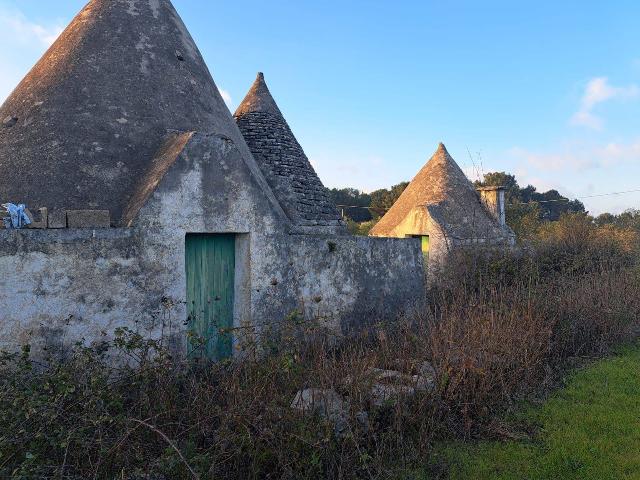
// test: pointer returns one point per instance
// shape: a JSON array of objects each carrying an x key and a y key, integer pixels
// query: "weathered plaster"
[
  {"x": 61, "y": 286},
  {"x": 109, "y": 118}
]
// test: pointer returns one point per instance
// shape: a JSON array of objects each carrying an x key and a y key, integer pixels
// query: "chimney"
[{"x": 493, "y": 200}]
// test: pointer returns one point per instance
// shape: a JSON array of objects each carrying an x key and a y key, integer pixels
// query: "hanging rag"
[{"x": 17, "y": 218}]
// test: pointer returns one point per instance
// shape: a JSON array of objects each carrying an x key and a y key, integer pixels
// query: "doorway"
[{"x": 210, "y": 270}]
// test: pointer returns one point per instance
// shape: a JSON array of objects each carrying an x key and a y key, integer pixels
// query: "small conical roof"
[
  {"x": 258, "y": 99},
  {"x": 443, "y": 185},
  {"x": 84, "y": 124},
  {"x": 286, "y": 167}
]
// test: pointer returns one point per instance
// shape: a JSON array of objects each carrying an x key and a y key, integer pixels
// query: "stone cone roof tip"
[
  {"x": 258, "y": 99},
  {"x": 283, "y": 162},
  {"x": 93, "y": 111},
  {"x": 441, "y": 183},
  {"x": 442, "y": 149}
]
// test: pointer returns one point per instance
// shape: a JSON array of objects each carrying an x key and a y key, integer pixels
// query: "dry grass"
[{"x": 495, "y": 334}]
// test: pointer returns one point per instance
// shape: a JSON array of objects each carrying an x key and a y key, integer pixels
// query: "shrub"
[{"x": 495, "y": 329}]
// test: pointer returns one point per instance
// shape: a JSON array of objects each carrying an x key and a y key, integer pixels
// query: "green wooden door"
[{"x": 210, "y": 265}]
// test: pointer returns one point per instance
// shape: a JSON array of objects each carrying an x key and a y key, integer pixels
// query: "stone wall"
[
  {"x": 61, "y": 286},
  {"x": 344, "y": 281}
]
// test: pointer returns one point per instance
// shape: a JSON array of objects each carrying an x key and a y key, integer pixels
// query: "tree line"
[{"x": 526, "y": 207}]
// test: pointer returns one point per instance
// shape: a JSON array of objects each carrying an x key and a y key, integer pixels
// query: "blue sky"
[{"x": 547, "y": 90}]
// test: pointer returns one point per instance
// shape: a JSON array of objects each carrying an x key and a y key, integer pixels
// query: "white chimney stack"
[{"x": 493, "y": 200}]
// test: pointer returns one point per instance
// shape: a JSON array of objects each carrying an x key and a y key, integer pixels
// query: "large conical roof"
[
  {"x": 283, "y": 162},
  {"x": 452, "y": 198},
  {"x": 83, "y": 125}
]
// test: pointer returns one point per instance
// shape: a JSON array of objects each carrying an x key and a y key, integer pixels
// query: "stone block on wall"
[
  {"x": 39, "y": 220},
  {"x": 57, "y": 219},
  {"x": 88, "y": 219}
]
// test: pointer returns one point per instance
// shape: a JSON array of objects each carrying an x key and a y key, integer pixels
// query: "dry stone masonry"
[
  {"x": 120, "y": 144},
  {"x": 282, "y": 160}
]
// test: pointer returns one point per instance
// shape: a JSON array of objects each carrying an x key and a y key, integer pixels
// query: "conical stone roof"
[
  {"x": 84, "y": 124},
  {"x": 451, "y": 198},
  {"x": 283, "y": 162}
]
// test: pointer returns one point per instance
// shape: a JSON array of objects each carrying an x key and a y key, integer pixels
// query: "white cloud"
[
  {"x": 19, "y": 30},
  {"x": 586, "y": 119},
  {"x": 597, "y": 91},
  {"x": 582, "y": 169},
  {"x": 563, "y": 160},
  {"x": 226, "y": 96},
  {"x": 23, "y": 42},
  {"x": 579, "y": 157}
]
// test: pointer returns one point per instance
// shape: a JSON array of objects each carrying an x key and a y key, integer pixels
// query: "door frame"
[{"x": 242, "y": 311}]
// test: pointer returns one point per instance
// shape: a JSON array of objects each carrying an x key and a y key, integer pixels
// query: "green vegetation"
[
  {"x": 383, "y": 199},
  {"x": 548, "y": 205},
  {"x": 498, "y": 326},
  {"x": 526, "y": 208},
  {"x": 364, "y": 207},
  {"x": 588, "y": 430},
  {"x": 352, "y": 203},
  {"x": 629, "y": 219},
  {"x": 362, "y": 210}
]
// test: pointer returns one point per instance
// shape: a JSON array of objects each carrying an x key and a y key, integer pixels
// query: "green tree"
[
  {"x": 526, "y": 207},
  {"x": 606, "y": 219},
  {"x": 353, "y": 203},
  {"x": 553, "y": 205},
  {"x": 506, "y": 180},
  {"x": 383, "y": 199},
  {"x": 629, "y": 219},
  {"x": 524, "y": 219}
]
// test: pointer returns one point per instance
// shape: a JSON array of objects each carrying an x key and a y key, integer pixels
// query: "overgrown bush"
[
  {"x": 495, "y": 329},
  {"x": 361, "y": 228}
]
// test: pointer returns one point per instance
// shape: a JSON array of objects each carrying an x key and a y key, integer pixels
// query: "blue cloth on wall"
[{"x": 17, "y": 218}]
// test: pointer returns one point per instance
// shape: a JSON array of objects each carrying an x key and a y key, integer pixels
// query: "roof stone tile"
[{"x": 283, "y": 162}]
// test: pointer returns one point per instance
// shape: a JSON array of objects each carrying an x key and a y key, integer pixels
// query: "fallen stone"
[
  {"x": 327, "y": 403},
  {"x": 374, "y": 375},
  {"x": 318, "y": 400},
  {"x": 88, "y": 219},
  {"x": 389, "y": 395},
  {"x": 426, "y": 370},
  {"x": 362, "y": 418},
  {"x": 381, "y": 374},
  {"x": 425, "y": 381},
  {"x": 387, "y": 387}
]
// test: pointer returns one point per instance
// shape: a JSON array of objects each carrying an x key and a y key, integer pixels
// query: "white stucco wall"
[{"x": 62, "y": 286}]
